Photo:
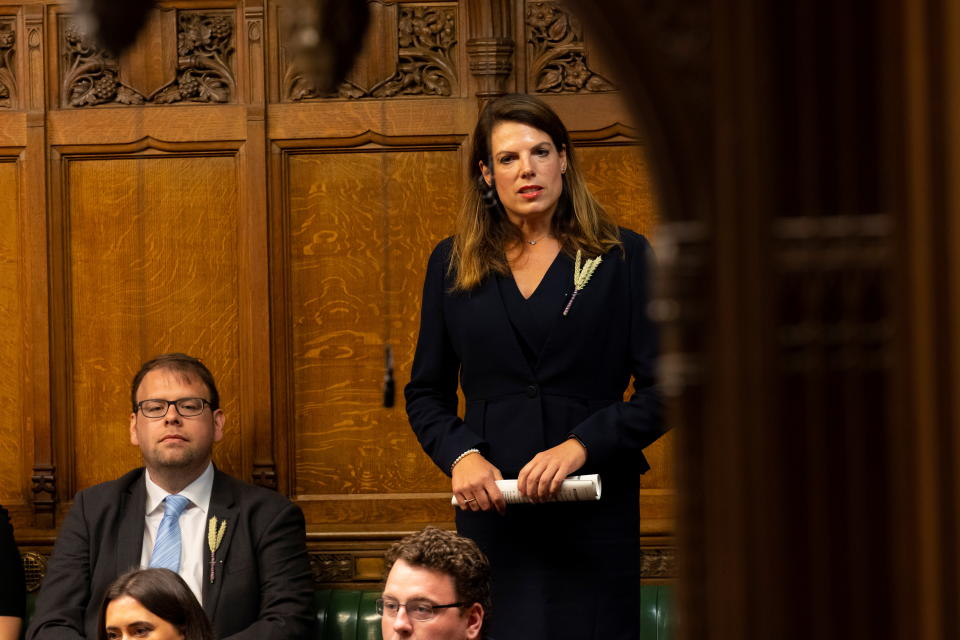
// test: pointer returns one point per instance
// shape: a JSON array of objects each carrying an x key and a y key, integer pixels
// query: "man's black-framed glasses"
[
  {"x": 421, "y": 610},
  {"x": 186, "y": 407}
]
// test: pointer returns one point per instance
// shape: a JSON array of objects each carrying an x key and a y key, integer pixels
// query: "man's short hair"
[
  {"x": 180, "y": 363},
  {"x": 451, "y": 554}
]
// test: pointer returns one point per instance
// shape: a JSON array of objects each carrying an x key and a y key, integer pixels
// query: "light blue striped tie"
[{"x": 166, "y": 550}]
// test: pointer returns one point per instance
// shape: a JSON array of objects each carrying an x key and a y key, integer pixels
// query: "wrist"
[
  {"x": 461, "y": 457},
  {"x": 577, "y": 439}
]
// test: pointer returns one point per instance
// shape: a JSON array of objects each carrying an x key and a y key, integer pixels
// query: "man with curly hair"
[{"x": 437, "y": 588}]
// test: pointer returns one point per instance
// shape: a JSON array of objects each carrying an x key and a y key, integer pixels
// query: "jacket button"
[{"x": 532, "y": 391}]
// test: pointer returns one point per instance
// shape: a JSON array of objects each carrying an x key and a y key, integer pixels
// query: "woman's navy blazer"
[{"x": 514, "y": 409}]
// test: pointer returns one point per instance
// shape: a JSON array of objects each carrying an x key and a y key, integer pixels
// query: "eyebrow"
[
  {"x": 410, "y": 599},
  {"x": 545, "y": 143},
  {"x": 130, "y": 624}
]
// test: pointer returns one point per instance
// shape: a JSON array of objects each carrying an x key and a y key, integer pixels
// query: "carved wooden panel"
[
  {"x": 8, "y": 71},
  {"x": 12, "y": 280},
  {"x": 349, "y": 568},
  {"x": 557, "y": 58},
  {"x": 361, "y": 228},
  {"x": 182, "y": 56},
  {"x": 658, "y": 561},
  {"x": 411, "y": 50},
  {"x": 152, "y": 267},
  {"x": 157, "y": 245}
]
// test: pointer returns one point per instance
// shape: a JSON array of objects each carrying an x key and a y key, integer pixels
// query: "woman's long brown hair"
[{"x": 483, "y": 229}]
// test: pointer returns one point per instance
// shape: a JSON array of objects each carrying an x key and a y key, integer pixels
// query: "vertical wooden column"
[
  {"x": 792, "y": 361},
  {"x": 490, "y": 46},
  {"x": 44, "y": 476},
  {"x": 928, "y": 476},
  {"x": 255, "y": 321}
]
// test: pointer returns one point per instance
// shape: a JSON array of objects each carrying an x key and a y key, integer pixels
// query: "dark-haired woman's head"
[
  {"x": 520, "y": 109},
  {"x": 152, "y": 603},
  {"x": 523, "y": 168}
]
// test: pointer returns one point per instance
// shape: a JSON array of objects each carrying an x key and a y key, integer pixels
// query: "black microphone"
[{"x": 389, "y": 387}]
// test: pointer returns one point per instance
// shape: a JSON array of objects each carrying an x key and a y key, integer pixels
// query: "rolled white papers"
[{"x": 573, "y": 489}]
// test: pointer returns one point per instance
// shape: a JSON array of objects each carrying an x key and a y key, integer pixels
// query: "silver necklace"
[{"x": 533, "y": 242}]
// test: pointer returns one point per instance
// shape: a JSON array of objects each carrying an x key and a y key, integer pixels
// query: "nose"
[
  {"x": 401, "y": 623},
  {"x": 172, "y": 415},
  {"x": 526, "y": 166}
]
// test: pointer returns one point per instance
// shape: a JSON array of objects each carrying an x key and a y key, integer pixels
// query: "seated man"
[
  {"x": 437, "y": 588},
  {"x": 241, "y": 549}
]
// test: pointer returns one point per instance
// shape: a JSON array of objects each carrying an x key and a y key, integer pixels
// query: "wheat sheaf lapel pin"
[
  {"x": 214, "y": 538},
  {"x": 581, "y": 276}
]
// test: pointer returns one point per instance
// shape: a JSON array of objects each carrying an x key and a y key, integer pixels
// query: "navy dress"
[
  {"x": 531, "y": 378},
  {"x": 13, "y": 591}
]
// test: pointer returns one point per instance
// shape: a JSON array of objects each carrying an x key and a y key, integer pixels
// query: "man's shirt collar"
[{"x": 197, "y": 492}]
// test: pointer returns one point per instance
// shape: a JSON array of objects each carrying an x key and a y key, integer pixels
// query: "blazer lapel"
[
  {"x": 491, "y": 289},
  {"x": 223, "y": 505},
  {"x": 559, "y": 337},
  {"x": 130, "y": 536}
]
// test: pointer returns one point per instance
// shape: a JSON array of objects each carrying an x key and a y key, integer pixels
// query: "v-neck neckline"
[{"x": 543, "y": 279}]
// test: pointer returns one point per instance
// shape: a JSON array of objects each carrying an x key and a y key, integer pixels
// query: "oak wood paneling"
[
  {"x": 361, "y": 228},
  {"x": 340, "y": 119},
  {"x": 12, "y": 317},
  {"x": 159, "y": 234},
  {"x": 13, "y": 129},
  {"x": 153, "y": 267},
  {"x": 618, "y": 176},
  {"x": 116, "y": 125}
]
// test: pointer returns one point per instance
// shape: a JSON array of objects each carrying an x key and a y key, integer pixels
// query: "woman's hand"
[
  {"x": 10, "y": 627},
  {"x": 473, "y": 481},
  {"x": 540, "y": 478}
]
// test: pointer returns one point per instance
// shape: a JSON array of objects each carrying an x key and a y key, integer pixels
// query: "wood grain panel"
[
  {"x": 153, "y": 268},
  {"x": 421, "y": 117},
  {"x": 169, "y": 123},
  {"x": 619, "y": 177},
  {"x": 660, "y": 475},
  {"x": 361, "y": 228},
  {"x": 12, "y": 281},
  {"x": 374, "y": 512},
  {"x": 13, "y": 129}
]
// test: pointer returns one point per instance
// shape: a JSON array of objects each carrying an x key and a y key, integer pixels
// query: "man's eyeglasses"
[
  {"x": 421, "y": 610},
  {"x": 186, "y": 407}
]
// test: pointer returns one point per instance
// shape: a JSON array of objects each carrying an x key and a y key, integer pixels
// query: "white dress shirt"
[{"x": 193, "y": 525}]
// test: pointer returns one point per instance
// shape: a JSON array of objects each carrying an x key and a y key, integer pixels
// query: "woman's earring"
[{"x": 489, "y": 195}]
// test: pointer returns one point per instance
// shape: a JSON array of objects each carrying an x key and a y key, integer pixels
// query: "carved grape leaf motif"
[
  {"x": 90, "y": 73},
  {"x": 426, "y": 38},
  {"x": 557, "y": 53},
  {"x": 203, "y": 73},
  {"x": 8, "y": 81},
  {"x": 205, "y": 47}
]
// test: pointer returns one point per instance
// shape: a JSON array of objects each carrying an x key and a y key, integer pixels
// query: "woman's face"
[
  {"x": 127, "y": 618},
  {"x": 527, "y": 170}
]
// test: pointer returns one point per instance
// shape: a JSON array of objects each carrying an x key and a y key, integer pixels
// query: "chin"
[{"x": 183, "y": 461}]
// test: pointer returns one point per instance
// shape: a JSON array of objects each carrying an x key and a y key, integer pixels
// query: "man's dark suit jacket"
[{"x": 262, "y": 588}]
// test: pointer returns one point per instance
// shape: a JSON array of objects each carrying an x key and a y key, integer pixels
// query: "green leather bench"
[
  {"x": 656, "y": 612},
  {"x": 347, "y": 614},
  {"x": 351, "y": 614}
]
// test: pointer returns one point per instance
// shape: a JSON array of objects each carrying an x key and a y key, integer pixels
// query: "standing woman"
[{"x": 543, "y": 363}]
